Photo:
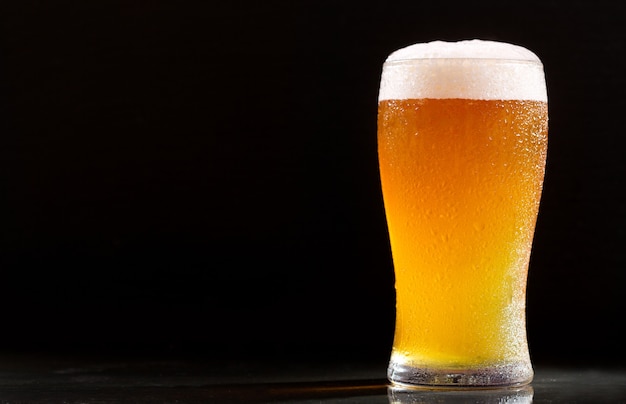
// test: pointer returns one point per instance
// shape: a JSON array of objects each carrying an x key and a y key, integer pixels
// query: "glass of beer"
[{"x": 462, "y": 141}]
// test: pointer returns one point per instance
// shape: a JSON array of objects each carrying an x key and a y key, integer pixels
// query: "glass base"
[
  {"x": 503, "y": 395},
  {"x": 488, "y": 377}
]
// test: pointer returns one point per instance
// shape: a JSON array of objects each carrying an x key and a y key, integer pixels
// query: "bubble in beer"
[{"x": 476, "y": 69}]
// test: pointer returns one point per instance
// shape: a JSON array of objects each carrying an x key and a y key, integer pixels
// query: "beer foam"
[{"x": 475, "y": 69}]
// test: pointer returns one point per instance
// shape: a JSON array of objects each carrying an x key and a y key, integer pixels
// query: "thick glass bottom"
[
  {"x": 503, "y": 395},
  {"x": 509, "y": 375}
]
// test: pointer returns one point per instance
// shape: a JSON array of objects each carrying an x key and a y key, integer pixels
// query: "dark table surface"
[{"x": 36, "y": 379}]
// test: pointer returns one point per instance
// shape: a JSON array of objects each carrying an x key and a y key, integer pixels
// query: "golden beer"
[{"x": 462, "y": 165}]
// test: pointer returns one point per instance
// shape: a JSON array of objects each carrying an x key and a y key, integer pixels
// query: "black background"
[{"x": 200, "y": 178}]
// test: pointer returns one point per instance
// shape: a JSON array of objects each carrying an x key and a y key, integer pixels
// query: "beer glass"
[{"x": 462, "y": 140}]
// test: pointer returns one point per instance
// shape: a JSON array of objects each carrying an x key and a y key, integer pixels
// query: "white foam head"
[{"x": 475, "y": 69}]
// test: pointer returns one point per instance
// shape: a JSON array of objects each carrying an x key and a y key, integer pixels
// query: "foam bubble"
[
  {"x": 467, "y": 69},
  {"x": 473, "y": 49}
]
